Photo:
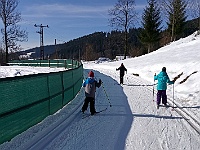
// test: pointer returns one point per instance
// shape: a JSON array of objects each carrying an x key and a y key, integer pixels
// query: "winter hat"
[
  {"x": 164, "y": 69},
  {"x": 91, "y": 74}
]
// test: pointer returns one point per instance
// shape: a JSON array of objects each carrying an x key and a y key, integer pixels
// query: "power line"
[
  {"x": 41, "y": 40},
  {"x": 56, "y": 35}
]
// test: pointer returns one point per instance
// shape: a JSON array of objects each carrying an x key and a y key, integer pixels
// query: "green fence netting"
[
  {"x": 27, "y": 100},
  {"x": 66, "y": 63}
]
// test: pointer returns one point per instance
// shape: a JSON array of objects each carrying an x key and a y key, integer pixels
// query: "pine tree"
[
  {"x": 194, "y": 7},
  {"x": 151, "y": 22},
  {"x": 177, "y": 18}
]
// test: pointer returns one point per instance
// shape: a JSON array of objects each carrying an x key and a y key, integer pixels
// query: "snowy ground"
[
  {"x": 12, "y": 71},
  {"x": 132, "y": 122}
]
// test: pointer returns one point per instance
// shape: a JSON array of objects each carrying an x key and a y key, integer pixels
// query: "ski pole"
[
  {"x": 106, "y": 94},
  {"x": 173, "y": 98},
  {"x": 153, "y": 90},
  {"x": 153, "y": 87}
]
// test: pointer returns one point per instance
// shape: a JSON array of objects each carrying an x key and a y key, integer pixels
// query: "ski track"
[
  {"x": 127, "y": 125},
  {"x": 170, "y": 131}
]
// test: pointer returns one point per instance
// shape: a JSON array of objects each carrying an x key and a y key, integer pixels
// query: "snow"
[
  {"x": 12, "y": 71},
  {"x": 132, "y": 122}
]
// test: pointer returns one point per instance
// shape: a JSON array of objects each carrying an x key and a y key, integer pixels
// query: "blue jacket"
[
  {"x": 90, "y": 85},
  {"x": 163, "y": 79}
]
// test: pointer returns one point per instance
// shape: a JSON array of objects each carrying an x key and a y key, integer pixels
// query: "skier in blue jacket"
[
  {"x": 163, "y": 79},
  {"x": 90, "y": 85}
]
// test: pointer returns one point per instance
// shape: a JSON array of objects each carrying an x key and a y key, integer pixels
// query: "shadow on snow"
[
  {"x": 119, "y": 118},
  {"x": 113, "y": 94}
]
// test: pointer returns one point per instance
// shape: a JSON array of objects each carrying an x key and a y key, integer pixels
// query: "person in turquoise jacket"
[{"x": 163, "y": 79}]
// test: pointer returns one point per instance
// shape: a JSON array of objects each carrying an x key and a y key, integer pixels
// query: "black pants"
[
  {"x": 86, "y": 102},
  {"x": 161, "y": 94},
  {"x": 121, "y": 79}
]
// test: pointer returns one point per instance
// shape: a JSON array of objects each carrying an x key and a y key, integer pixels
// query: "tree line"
[
  {"x": 162, "y": 21},
  {"x": 127, "y": 40},
  {"x": 110, "y": 45}
]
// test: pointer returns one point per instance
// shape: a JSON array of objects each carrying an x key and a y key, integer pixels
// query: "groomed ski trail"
[{"x": 132, "y": 123}]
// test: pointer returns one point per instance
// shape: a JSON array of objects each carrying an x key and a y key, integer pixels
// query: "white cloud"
[{"x": 68, "y": 10}]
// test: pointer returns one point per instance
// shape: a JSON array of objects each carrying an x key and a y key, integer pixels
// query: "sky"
[
  {"x": 67, "y": 19},
  {"x": 132, "y": 122}
]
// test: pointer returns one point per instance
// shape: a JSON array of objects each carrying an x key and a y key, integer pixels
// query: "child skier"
[
  {"x": 163, "y": 79},
  {"x": 90, "y": 85}
]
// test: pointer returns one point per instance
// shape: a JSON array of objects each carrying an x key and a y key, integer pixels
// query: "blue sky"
[{"x": 67, "y": 19}]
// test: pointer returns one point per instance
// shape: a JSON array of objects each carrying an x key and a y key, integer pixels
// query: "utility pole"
[
  {"x": 41, "y": 40},
  {"x": 56, "y": 50}
]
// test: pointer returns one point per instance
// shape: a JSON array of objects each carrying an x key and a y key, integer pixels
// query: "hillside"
[
  {"x": 98, "y": 44},
  {"x": 130, "y": 120}
]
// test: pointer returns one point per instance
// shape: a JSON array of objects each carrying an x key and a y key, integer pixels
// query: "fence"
[
  {"x": 66, "y": 63},
  {"x": 27, "y": 100}
]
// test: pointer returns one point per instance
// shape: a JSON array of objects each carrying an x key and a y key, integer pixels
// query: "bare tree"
[
  {"x": 89, "y": 52},
  {"x": 11, "y": 30},
  {"x": 1, "y": 55},
  {"x": 123, "y": 16}
]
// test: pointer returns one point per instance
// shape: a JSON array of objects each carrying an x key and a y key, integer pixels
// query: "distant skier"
[
  {"x": 90, "y": 85},
  {"x": 122, "y": 69},
  {"x": 163, "y": 79}
]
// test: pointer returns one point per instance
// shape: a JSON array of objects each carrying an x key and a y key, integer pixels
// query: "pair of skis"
[
  {"x": 88, "y": 115},
  {"x": 165, "y": 106}
]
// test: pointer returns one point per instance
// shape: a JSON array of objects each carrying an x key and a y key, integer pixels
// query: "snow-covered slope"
[
  {"x": 133, "y": 122},
  {"x": 182, "y": 56}
]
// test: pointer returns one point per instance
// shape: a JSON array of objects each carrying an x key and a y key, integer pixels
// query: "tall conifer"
[{"x": 151, "y": 22}]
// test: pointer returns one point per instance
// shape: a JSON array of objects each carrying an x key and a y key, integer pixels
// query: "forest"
[{"x": 102, "y": 44}]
